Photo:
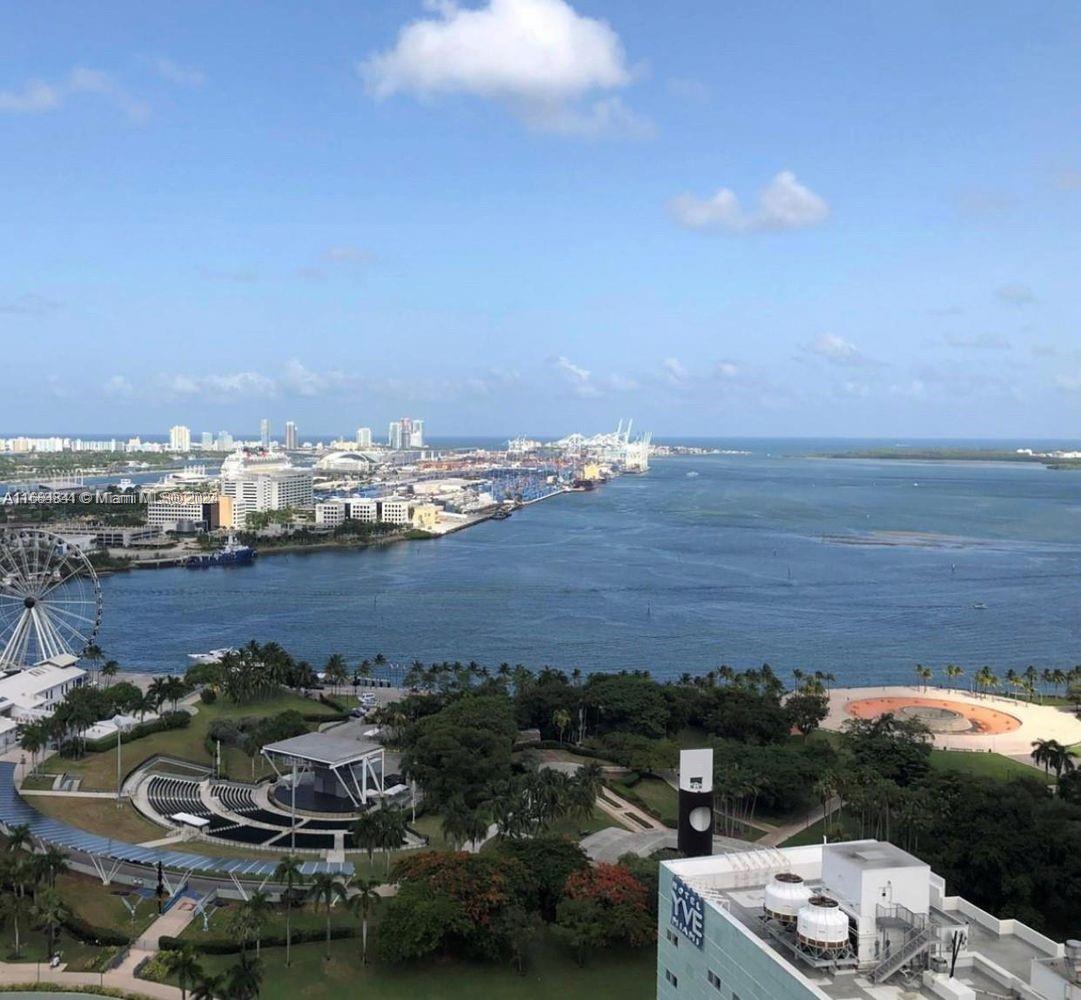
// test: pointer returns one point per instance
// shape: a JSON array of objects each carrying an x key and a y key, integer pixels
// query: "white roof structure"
[
  {"x": 31, "y": 689},
  {"x": 320, "y": 748}
]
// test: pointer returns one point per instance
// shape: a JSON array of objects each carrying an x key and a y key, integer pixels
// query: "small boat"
[
  {"x": 214, "y": 656},
  {"x": 692, "y": 474},
  {"x": 125, "y": 484},
  {"x": 980, "y": 606},
  {"x": 501, "y": 515}
]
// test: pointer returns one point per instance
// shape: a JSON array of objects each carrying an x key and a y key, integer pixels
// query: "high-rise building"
[
  {"x": 290, "y": 436},
  {"x": 406, "y": 433},
  {"x": 264, "y": 433},
  {"x": 179, "y": 438},
  {"x": 364, "y": 437},
  {"x": 208, "y": 439},
  {"x": 224, "y": 441}
]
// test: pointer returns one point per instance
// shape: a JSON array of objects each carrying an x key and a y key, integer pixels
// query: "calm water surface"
[{"x": 863, "y": 568}]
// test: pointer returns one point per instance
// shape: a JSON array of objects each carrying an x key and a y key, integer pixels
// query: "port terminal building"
[{"x": 862, "y": 920}]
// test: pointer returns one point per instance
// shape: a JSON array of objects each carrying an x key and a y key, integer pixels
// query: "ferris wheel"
[{"x": 50, "y": 598}]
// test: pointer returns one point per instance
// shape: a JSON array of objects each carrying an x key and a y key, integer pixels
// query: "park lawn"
[
  {"x": 984, "y": 765},
  {"x": 812, "y": 835},
  {"x": 35, "y": 948},
  {"x": 100, "y": 816},
  {"x": 659, "y": 796},
  {"x": 102, "y": 907},
  {"x": 306, "y": 918},
  {"x": 98, "y": 770},
  {"x": 619, "y": 974}
]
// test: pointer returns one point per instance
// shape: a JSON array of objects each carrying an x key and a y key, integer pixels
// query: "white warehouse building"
[{"x": 862, "y": 920}]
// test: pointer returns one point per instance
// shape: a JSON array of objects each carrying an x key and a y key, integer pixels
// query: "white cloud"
[
  {"x": 119, "y": 387},
  {"x": 837, "y": 350},
  {"x": 234, "y": 384},
  {"x": 1016, "y": 295},
  {"x": 34, "y": 97},
  {"x": 579, "y": 379},
  {"x": 1069, "y": 381},
  {"x": 39, "y": 96},
  {"x": 674, "y": 371},
  {"x": 174, "y": 72},
  {"x": 540, "y": 58},
  {"x": 784, "y": 204}
]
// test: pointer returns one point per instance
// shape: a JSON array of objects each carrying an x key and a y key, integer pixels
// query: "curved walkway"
[{"x": 1037, "y": 722}]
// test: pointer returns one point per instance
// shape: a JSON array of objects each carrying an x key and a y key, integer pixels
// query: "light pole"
[{"x": 116, "y": 722}]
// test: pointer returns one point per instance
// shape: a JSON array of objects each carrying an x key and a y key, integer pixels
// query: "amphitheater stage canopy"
[{"x": 327, "y": 773}]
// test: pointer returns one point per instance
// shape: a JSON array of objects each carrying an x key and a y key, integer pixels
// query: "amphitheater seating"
[
  {"x": 172, "y": 795},
  {"x": 308, "y": 841},
  {"x": 169, "y": 795}
]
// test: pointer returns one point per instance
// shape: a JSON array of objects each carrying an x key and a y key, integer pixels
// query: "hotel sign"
[{"x": 688, "y": 912}]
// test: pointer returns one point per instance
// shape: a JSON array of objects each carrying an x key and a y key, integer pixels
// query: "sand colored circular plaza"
[
  {"x": 960, "y": 720},
  {"x": 940, "y": 715}
]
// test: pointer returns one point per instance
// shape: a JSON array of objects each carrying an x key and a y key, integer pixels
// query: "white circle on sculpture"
[{"x": 699, "y": 819}]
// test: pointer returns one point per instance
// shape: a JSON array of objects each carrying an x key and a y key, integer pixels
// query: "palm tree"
[
  {"x": 326, "y": 890},
  {"x": 93, "y": 654},
  {"x": 110, "y": 669},
  {"x": 392, "y": 826},
  {"x": 183, "y": 964},
  {"x": 51, "y": 863},
  {"x": 33, "y": 739},
  {"x": 361, "y": 904},
  {"x": 257, "y": 908},
  {"x": 288, "y": 874},
  {"x": 953, "y": 671},
  {"x": 207, "y": 987},
  {"x": 243, "y": 980},
  {"x": 367, "y": 831},
  {"x": 49, "y": 911},
  {"x": 336, "y": 671},
  {"x": 561, "y": 718}
]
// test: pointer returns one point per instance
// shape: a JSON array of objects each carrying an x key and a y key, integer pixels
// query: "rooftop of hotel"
[{"x": 734, "y": 885}]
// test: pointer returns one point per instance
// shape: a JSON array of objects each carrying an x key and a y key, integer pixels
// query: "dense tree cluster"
[{"x": 490, "y": 905}]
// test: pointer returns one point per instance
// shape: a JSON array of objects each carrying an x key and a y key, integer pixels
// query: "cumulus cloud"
[
  {"x": 837, "y": 350},
  {"x": 174, "y": 72},
  {"x": 1016, "y": 295},
  {"x": 556, "y": 69},
  {"x": 39, "y": 96},
  {"x": 218, "y": 385},
  {"x": 674, "y": 371},
  {"x": 784, "y": 204}
]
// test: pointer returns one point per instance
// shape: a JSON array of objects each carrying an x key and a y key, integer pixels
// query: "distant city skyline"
[{"x": 748, "y": 220}]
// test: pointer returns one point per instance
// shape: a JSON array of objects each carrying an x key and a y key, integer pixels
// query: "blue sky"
[{"x": 538, "y": 216}]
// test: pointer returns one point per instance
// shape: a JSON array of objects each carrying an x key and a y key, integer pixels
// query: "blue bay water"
[{"x": 862, "y": 568}]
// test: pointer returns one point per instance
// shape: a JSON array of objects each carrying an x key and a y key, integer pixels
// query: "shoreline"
[{"x": 410, "y": 535}]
